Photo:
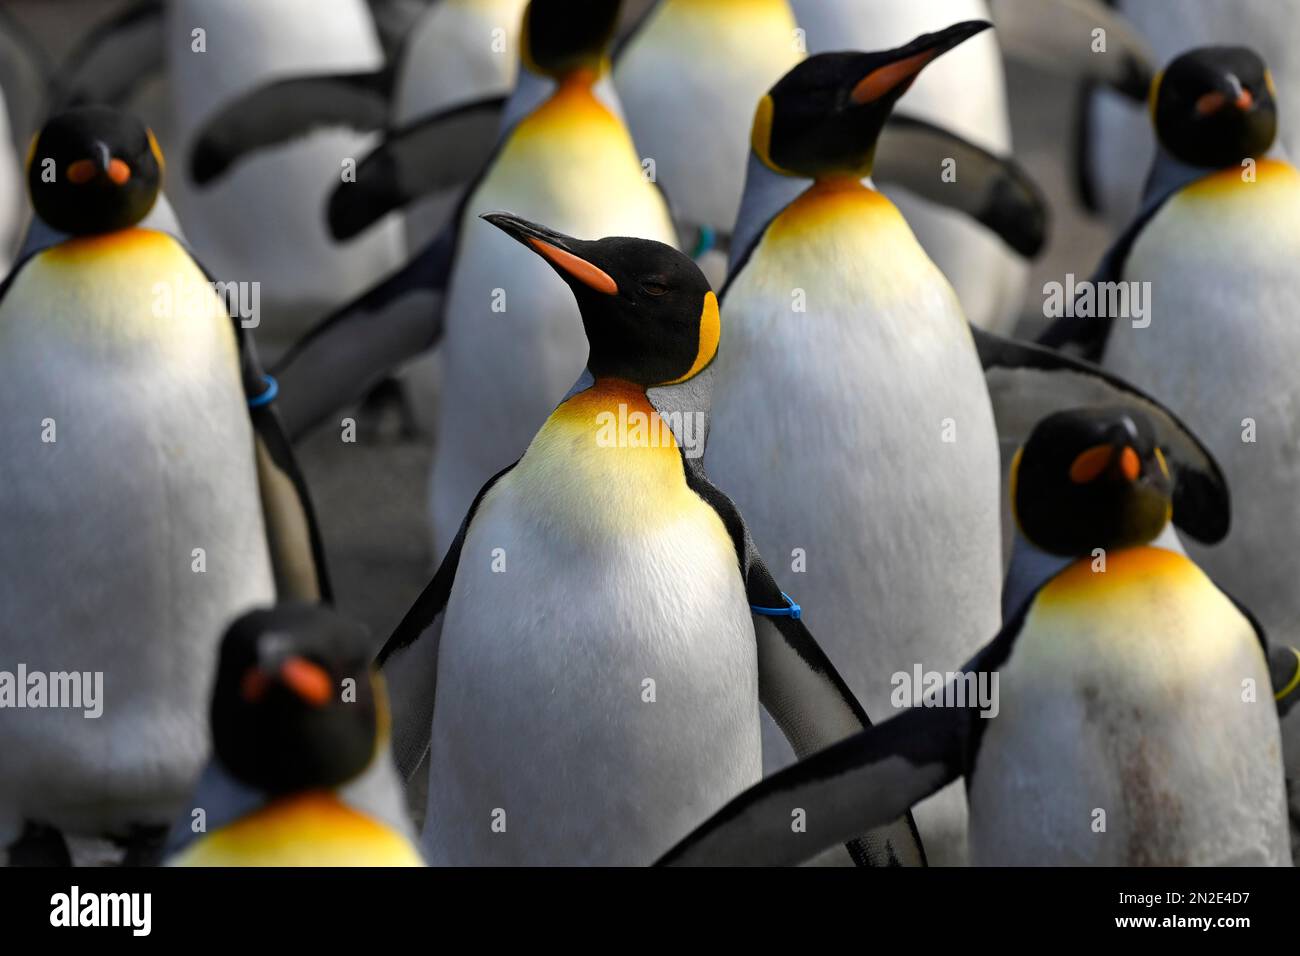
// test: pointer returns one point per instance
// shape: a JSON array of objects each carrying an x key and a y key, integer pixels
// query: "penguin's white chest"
[
  {"x": 852, "y": 426},
  {"x": 132, "y": 521},
  {"x": 514, "y": 342},
  {"x": 1219, "y": 266},
  {"x": 1136, "y": 727},
  {"x": 597, "y": 685}
]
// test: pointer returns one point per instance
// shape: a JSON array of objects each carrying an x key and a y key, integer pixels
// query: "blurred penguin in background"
[
  {"x": 302, "y": 771},
  {"x": 262, "y": 223},
  {"x": 1115, "y": 148}
]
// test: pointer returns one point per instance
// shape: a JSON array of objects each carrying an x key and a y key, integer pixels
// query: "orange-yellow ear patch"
[
  {"x": 580, "y": 269},
  {"x": 883, "y": 79},
  {"x": 157, "y": 151},
  {"x": 710, "y": 335},
  {"x": 1091, "y": 463}
]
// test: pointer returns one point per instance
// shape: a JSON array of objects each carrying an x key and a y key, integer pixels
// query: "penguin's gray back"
[
  {"x": 1219, "y": 257},
  {"x": 151, "y": 459},
  {"x": 1126, "y": 733},
  {"x": 597, "y": 672}
]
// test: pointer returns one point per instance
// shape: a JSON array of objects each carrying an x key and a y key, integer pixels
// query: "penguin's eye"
[{"x": 653, "y": 287}]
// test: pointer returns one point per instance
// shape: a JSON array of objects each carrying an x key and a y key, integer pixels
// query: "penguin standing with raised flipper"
[
  {"x": 262, "y": 223},
  {"x": 302, "y": 772},
  {"x": 602, "y": 628},
  {"x": 845, "y": 356},
  {"x": 144, "y": 462},
  {"x": 1126, "y": 715}
]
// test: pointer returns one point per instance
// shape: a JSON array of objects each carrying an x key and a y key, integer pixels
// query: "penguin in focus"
[
  {"x": 1133, "y": 713},
  {"x": 602, "y": 628},
  {"x": 836, "y": 308},
  {"x": 510, "y": 338},
  {"x": 302, "y": 771},
  {"x": 965, "y": 92},
  {"x": 146, "y": 466}
]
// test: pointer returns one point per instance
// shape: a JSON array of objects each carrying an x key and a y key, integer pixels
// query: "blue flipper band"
[
  {"x": 268, "y": 395},
  {"x": 793, "y": 611},
  {"x": 706, "y": 241}
]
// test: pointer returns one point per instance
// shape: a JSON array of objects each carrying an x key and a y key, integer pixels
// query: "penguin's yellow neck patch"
[
  {"x": 573, "y": 109},
  {"x": 605, "y": 464},
  {"x": 835, "y": 203},
  {"x": 1270, "y": 175},
  {"x": 310, "y": 829},
  {"x": 1129, "y": 574},
  {"x": 131, "y": 242}
]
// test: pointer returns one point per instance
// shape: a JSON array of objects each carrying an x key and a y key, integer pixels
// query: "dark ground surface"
[{"x": 371, "y": 495}]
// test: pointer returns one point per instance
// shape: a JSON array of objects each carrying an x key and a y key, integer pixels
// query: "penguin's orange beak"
[
  {"x": 308, "y": 681},
  {"x": 895, "y": 76},
  {"x": 84, "y": 170},
  {"x": 1091, "y": 463},
  {"x": 564, "y": 253}
]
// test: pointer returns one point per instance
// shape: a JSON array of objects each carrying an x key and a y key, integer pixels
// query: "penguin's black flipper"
[
  {"x": 359, "y": 344},
  {"x": 1089, "y": 335},
  {"x": 1028, "y": 382},
  {"x": 1283, "y": 661},
  {"x": 409, "y": 658},
  {"x": 992, "y": 190},
  {"x": 394, "y": 21},
  {"x": 297, "y": 551},
  {"x": 439, "y": 152},
  {"x": 286, "y": 109},
  {"x": 798, "y": 684},
  {"x": 115, "y": 58},
  {"x": 27, "y": 79},
  {"x": 1058, "y": 37}
]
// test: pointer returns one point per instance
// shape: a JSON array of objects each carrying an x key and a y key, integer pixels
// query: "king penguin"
[
  {"x": 964, "y": 93},
  {"x": 1215, "y": 245},
  {"x": 1115, "y": 150},
  {"x": 146, "y": 470},
  {"x": 1125, "y": 715},
  {"x": 584, "y": 670},
  {"x": 837, "y": 309},
  {"x": 302, "y": 771},
  {"x": 511, "y": 340}
]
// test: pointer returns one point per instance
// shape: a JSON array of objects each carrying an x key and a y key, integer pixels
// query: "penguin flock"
[{"x": 764, "y": 531}]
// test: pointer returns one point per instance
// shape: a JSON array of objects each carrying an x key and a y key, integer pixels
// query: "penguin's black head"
[
  {"x": 295, "y": 705},
  {"x": 1091, "y": 478},
  {"x": 94, "y": 170},
  {"x": 649, "y": 313},
  {"x": 1214, "y": 106},
  {"x": 561, "y": 36},
  {"x": 824, "y": 116}
]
